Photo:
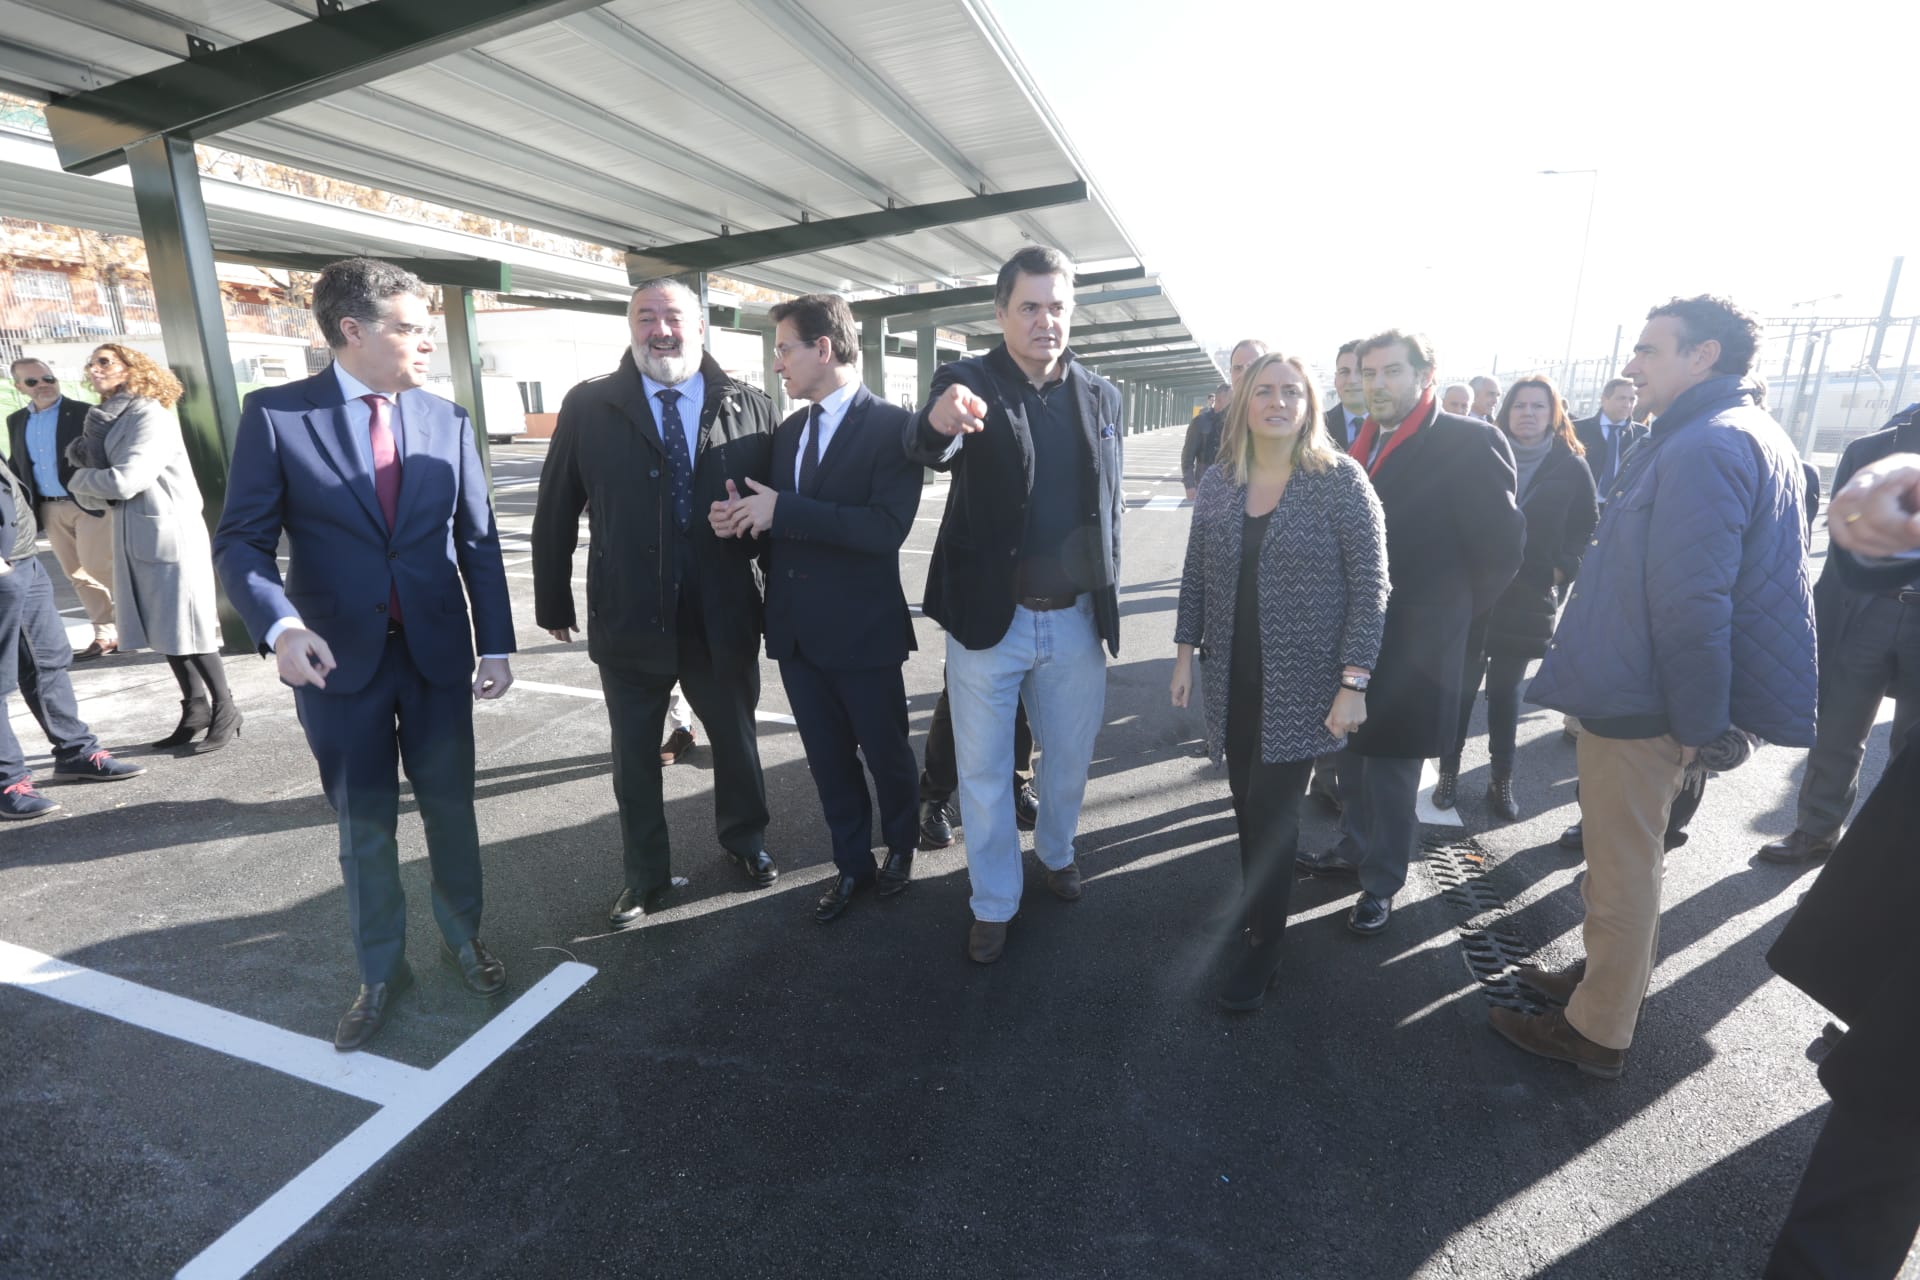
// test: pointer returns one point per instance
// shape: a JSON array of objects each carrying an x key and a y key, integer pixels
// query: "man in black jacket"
[
  {"x": 82, "y": 539},
  {"x": 840, "y": 502},
  {"x": 1609, "y": 434},
  {"x": 1024, "y": 575},
  {"x": 1202, "y": 444},
  {"x": 1851, "y": 946},
  {"x": 1349, "y": 412},
  {"x": 1454, "y": 538},
  {"x": 1869, "y": 647},
  {"x": 646, "y": 450}
]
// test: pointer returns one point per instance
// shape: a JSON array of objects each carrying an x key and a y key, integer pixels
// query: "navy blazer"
[
  {"x": 66, "y": 429},
  {"x": 296, "y": 469},
  {"x": 833, "y": 559}
]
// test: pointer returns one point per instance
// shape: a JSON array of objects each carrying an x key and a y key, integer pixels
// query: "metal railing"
[{"x": 38, "y": 308}]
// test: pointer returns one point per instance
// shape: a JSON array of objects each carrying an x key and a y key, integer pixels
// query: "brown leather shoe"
[
  {"x": 98, "y": 649},
  {"x": 1065, "y": 882},
  {"x": 1550, "y": 1035},
  {"x": 1555, "y": 984},
  {"x": 1796, "y": 850},
  {"x": 675, "y": 748},
  {"x": 986, "y": 940}
]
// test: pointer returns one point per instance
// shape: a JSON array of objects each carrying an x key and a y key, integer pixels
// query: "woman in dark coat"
[
  {"x": 1286, "y": 586},
  {"x": 1555, "y": 493}
]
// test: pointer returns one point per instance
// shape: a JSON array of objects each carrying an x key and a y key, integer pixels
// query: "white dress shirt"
[{"x": 833, "y": 410}]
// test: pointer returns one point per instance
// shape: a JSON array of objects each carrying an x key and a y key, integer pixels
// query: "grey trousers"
[
  {"x": 1378, "y": 823},
  {"x": 1877, "y": 654}
]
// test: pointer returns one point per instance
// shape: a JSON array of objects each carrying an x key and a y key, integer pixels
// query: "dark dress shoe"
[
  {"x": 98, "y": 649},
  {"x": 675, "y": 748},
  {"x": 1445, "y": 791},
  {"x": 1797, "y": 849},
  {"x": 1255, "y": 972},
  {"x": 635, "y": 903},
  {"x": 758, "y": 867},
  {"x": 1370, "y": 914},
  {"x": 1550, "y": 1035},
  {"x": 482, "y": 974},
  {"x": 986, "y": 939},
  {"x": 836, "y": 900},
  {"x": 1574, "y": 838},
  {"x": 895, "y": 874},
  {"x": 1329, "y": 863},
  {"x": 1026, "y": 804},
  {"x": 1065, "y": 883},
  {"x": 369, "y": 1010},
  {"x": 1553, "y": 985},
  {"x": 936, "y": 824}
]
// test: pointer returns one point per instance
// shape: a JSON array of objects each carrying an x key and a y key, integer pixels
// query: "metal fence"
[
  {"x": 1832, "y": 379},
  {"x": 38, "y": 308}
]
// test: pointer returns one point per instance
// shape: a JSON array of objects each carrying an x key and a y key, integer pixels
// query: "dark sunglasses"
[
  {"x": 104, "y": 362},
  {"x": 31, "y": 383}
]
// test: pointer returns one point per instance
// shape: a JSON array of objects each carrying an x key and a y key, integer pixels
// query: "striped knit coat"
[{"x": 1323, "y": 600}]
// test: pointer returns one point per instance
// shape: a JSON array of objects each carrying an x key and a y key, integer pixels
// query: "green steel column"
[
  {"x": 927, "y": 357},
  {"x": 770, "y": 380},
  {"x": 873, "y": 354},
  {"x": 193, "y": 324},
  {"x": 463, "y": 353}
]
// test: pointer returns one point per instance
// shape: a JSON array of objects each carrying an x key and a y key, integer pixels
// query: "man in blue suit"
[
  {"x": 842, "y": 501},
  {"x": 383, "y": 500}
]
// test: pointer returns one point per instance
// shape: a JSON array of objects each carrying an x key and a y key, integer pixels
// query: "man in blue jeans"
[{"x": 1024, "y": 576}]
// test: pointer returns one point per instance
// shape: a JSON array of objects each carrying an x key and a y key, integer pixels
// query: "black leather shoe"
[
  {"x": 838, "y": 898},
  {"x": 632, "y": 903},
  {"x": 936, "y": 824},
  {"x": 895, "y": 874},
  {"x": 1329, "y": 863},
  {"x": 1446, "y": 789},
  {"x": 758, "y": 866},
  {"x": 1026, "y": 804},
  {"x": 1255, "y": 972},
  {"x": 482, "y": 974},
  {"x": 1797, "y": 849},
  {"x": 1500, "y": 801},
  {"x": 1574, "y": 838},
  {"x": 369, "y": 1010},
  {"x": 1370, "y": 914}
]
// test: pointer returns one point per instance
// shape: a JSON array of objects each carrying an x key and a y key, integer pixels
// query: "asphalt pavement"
[{"x": 737, "y": 1091}]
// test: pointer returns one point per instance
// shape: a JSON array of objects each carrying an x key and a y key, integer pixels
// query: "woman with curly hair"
[{"x": 131, "y": 454}]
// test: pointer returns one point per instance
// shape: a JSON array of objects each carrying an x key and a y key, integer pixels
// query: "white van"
[{"x": 506, "y": 417}]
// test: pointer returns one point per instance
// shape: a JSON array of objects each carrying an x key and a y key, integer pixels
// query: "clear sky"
[{"x": 1308, "y": 172}]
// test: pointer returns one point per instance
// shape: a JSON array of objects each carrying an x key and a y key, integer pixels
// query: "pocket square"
[{"x": 1106, "y": 432}]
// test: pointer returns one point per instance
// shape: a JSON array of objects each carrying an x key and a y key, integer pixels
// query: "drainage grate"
[{"x": 1490, "y": 950}]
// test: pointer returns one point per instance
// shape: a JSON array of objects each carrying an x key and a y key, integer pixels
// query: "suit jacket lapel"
[
  {"x": 1086, "y": 402},
  {"x": 333, "y": 433},
  {"x": 786, "y": 448},
  {"x": 425, "y": 420},
  {"x": 845, "y": 436}
]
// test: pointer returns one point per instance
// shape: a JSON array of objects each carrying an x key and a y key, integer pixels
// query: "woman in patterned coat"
[{"x": 1286, "y": 587}]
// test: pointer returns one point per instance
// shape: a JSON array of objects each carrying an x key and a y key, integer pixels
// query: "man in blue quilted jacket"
[{"x": 1691, "y": 627}]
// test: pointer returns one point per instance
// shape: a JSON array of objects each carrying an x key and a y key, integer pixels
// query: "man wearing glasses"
[{"x": 82, "y": 540}]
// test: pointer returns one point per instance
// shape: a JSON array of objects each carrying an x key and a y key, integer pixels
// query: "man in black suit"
[
  {"x": 645, "y": 451},
  {"x": 370, "y": 626},
  {"x": 1349, "y": 410},
  {"x": 841, "y": 500},
  {"x": 1454, "y": 539},
  {"x": 82, "y": 539},
  {"x": 1609, "y": 434},
  {"x": 1851, "y": 945},
  {"x": 1024, "y": 576},
  {"x": 1869, "y": 647},
  {"x": 1202, "y": 445}
]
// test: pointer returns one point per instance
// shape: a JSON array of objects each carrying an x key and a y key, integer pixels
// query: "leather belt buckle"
[{"x": 1046, "y": 604}]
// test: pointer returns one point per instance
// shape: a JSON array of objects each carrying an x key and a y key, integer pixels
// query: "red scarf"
[{"x": 1363, "y": 442}]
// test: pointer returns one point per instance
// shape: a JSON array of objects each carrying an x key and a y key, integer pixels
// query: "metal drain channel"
[{"x": 1491, "y": 952}]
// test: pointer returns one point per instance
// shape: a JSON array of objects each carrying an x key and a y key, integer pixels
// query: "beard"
[{"x": 669, "y": 368}]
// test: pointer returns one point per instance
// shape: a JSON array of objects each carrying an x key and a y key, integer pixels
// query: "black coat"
[
  {"x": 970, "y": 584},
  {"x": 1834, "y": 601},
  {"x": 1454, "y": 540},
  {"x": 833, "y": 554},
  {"x": 1201, "y": 448},
  {"x": 1560, "y": 513},
  {"x": 607, "y": 458},
  {"x": 1587, "y": 432},
  {"x": 1336, "y": 424},
  {"x": 67, "y": 427}
]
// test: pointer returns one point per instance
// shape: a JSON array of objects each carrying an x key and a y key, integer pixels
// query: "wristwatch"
[{"x": 1356, "y": 683}]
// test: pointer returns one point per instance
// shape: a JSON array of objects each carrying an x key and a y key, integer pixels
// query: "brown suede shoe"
[
  {"x": 986, "y": 940},
  {"x": 1065, "y": 882},
  {"x": 1551, "y": 1036},
  {"x": 1555, "y": 985}
]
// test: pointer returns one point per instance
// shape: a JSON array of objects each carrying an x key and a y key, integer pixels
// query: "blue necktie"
[{"x": 678, "y": 460}]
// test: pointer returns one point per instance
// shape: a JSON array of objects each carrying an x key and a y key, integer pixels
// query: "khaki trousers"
[
  {"x": 83, "y": 545},
  {"x": 1627, "y": 788}
]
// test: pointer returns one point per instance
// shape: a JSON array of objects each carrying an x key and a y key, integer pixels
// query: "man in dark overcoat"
[{"x": 1454, "y": 540}]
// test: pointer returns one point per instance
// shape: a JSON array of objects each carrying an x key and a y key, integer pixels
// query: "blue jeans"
[
  {"x": 34, "y": 654},
  {"x": 1053, "y": 664}
]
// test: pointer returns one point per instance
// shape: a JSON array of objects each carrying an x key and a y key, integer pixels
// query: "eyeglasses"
[
  {"x": 785, "y": 349},
  {"x": 104, "y": 362},
  {"x": 404, "y": 330},
  {"x": 31, "y": 383}
]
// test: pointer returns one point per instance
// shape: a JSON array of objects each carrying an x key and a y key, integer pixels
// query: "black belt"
[
  {"x": 62, "y": 498},
  {"x": 1046, "y": 604}
]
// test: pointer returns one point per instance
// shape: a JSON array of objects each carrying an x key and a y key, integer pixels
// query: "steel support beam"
[
  {"x": 463, "y": 353},
  {"x": 900, "y": 304},
  {"x": 1178, "y": 344},
  {"x": 742, "y": 248},
  {"x": 873, "y": 355},
  {"x": 193, "y": 325},
  {"x": 770, "y": 380},
  {"x": 594, "y": 306},
  {"x": 982, "y": 342},
  {"x": 926, "y": 355},
  {"x": 981, "y": 312},
  {"x": 460, "y": 273},
  {"x": 246, "y": 82}
]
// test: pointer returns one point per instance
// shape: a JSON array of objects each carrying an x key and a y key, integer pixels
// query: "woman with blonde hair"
[
  {"x": 1286, "y": 584},
  {"x": 132, "y": 455}
]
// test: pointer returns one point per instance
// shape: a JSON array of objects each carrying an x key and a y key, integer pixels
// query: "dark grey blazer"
[{"x": 1323, "y": 599}]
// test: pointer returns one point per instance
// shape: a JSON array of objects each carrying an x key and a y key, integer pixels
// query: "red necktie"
[{"x": 386, "y": 476}]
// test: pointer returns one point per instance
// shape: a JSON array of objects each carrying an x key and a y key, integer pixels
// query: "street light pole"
[{"x": 1580, "y": 279}]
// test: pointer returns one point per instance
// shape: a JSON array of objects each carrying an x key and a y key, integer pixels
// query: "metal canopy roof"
[{"x": 641, "y": 124}]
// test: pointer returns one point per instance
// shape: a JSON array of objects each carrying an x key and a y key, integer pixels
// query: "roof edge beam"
[
  {"x": 936, "y": 300},
  {"x": 723, "y": 252},
  {"x": 987, "y": 341},
  {"x": 460, "y": 273},
  {"x": 246, "y": 82}
]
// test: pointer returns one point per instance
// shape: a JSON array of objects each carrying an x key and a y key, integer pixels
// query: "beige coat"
[{"x": 163, "y": 591}]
